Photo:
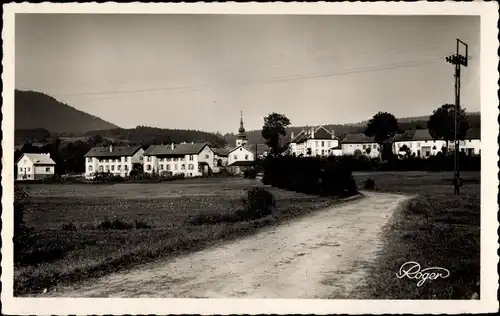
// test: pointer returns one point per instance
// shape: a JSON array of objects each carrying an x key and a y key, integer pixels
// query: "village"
[{"x": 198, "y": 159}]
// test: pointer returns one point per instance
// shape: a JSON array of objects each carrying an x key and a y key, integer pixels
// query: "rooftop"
[
  {"x": 112, "y": 151},
  {"x": 312, "y": 133},
  {"x": 175, "y": 149},
  {"x": 40, "y": 159},
  {"x": 358, "y": 138}
]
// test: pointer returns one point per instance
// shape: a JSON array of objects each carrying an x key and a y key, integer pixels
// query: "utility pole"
[{"x": 458, "y": 60}]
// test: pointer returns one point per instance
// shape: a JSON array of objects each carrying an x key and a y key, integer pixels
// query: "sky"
[{"x": 199, "y": 71}]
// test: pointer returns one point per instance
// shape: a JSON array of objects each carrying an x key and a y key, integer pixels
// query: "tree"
[
  {"x": 441, "y": 123},
  {"x": 405, "y": 150},
  {"x": 274, "y": 128},
  {"x": 382, "y": 127}
]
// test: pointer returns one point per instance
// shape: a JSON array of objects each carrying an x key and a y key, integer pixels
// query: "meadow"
[
  {"x": 75, "y": 237},
  {"x": 435, "y": 229}
]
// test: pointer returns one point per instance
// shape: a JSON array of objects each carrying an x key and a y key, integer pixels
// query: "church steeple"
[
  {"x": 241, "y": 139},
  {"x": 241, "y": 130}
]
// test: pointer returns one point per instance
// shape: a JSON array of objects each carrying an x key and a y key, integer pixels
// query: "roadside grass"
[
  {"x": 86, "y": 231},
  {"x": 435, "y": 229}
]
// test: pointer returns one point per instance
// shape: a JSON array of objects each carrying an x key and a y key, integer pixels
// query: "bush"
[
  {"x": 141, "y": 225},
  {"x": 211, "y": 218},
  {"x": 327, "y": 177},
  {"x": 114, "y": 225},
  {"x": 369, "y": 184},
  {"x": 257, "y": 204},
  {"x": 69, "y": 227},
  {"x": 107, "y": 177},
  {"x": 250, "y": 173}
]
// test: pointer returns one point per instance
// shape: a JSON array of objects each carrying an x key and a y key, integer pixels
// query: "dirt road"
[{"x": 320, "y": 256}]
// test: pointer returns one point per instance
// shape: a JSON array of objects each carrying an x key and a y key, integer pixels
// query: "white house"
[
  {"x": 314, "y": 142},
  {"x": 115, "y": 160},
  {"x": 419, "y": 142},
  {"x": 35, "y": 166},
  {"x": 191, "y": 159},
  {"x": 471, "y": 145},
  {"x": 354, "y": 144}
]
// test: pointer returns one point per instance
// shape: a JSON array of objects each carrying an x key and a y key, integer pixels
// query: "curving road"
[{"x": 323, "y": 255}]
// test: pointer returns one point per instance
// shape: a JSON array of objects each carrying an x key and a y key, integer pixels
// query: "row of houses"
[
  {"x": 321, "y": 142},
  {"x": 197, "y": 159}
]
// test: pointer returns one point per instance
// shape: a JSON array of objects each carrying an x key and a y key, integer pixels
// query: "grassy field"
[
  {"x": 435, "y": 229},
  {"x": 56, "y": 255}
]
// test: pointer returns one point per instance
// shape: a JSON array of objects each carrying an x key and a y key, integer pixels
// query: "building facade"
[
  {"x": 360, "y": 144},
  {"x": 35, "y": 167},
  {"x": 418, "y": 143},
  {"x": 190, "y": 159},
  {"x": 119, "y": 161},
  {"x": 314, "y": 142}
]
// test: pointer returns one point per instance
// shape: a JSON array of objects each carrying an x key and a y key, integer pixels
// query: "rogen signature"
[{"x": 412, "y": 270}]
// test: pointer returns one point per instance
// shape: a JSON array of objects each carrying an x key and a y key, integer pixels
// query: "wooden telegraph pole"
[{"x": 458, "y": 60}]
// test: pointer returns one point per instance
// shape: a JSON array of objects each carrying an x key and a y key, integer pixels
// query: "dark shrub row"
[
  {"x": 250, "y": 173},
  {"x": 327, "y": 177}
]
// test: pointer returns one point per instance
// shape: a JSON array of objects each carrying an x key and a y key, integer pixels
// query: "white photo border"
[{"x": 488, "y": 12}]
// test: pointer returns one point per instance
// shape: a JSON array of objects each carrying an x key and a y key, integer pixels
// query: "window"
[
  {"x": 90, "y": 168},
  {"x": 364, "y": 146},
  {"x": 168, "y": 167},
  {"x": 235, "y": 157},
  {"x": 241, "y": 149},
  {"x": 246, "y": 157},
  {"x": 119, "y": 167},
  {"x": 183, "y": 167},
  {"x": 418, "y": 145},
  {"x": 322, "y": 151},
  {"x": 112, "y": 168},
  {"x": 191, "y": 166},
  {"x": 101, "y": 169},
  {"x": 148, "y": 167},
  {"x": 107, "y": 168},
  {"x": 149, "y": 158},
  {"x": 190, "y": 157},
  {"x": 29, "y": 169},
  {"x": 207, "y": 156},
  {"x": 125, "y": 168},
  {"x": 47, "y": 169},
  {"x": 322, "y": 144},
  {"x": 89, "y": 160},
  {"x": 161, "y": 167},
  {"x": 175, "y": 167},
  {"x": 169, "y": 159}
]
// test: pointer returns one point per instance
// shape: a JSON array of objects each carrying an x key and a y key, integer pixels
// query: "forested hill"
[
  {"x": 156, "y": 136},
  {"x": 40, "y": 117},
  {"x": 36, "y": 110},
  {"x": 417, "y": 122}
]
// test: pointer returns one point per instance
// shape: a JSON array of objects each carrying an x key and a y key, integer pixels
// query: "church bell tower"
[{"x": 241, "y": 139}]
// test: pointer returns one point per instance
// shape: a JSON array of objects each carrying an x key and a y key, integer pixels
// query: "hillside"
[
  {"x": 36, "y": 110},
  {"x": 417, "y": 122}
]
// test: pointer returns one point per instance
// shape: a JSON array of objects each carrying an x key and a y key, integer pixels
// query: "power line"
[
  {"x": 274, "y": 66},
  {"x": 264, "y": 81}
]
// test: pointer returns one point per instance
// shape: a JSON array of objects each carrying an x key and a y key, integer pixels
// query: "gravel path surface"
[{"x": 323, "y": 255}]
